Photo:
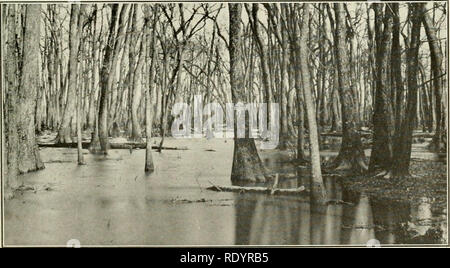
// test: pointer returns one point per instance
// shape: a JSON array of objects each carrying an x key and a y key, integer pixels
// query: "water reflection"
[
  {"x": 287, "y": 220},
  {"x": 362, "y": 229}
]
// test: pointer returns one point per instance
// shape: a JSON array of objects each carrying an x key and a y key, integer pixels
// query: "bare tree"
[
  {"x": 383, "y": 118},
  {"x": 316, "y": 172},
  {"x": 149, "y": 166},
  {"x": 436, "y": 67},
  {"x": 351, "y": 155},
  {"x": 247, "y": 165},
  {"x": 402, "y": 155}
]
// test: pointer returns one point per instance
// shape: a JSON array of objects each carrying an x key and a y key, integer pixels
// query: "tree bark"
[
  {"x": 73, "y": 66},
  {"x": 383, "y": 118},
  {"x": 106, "y": 82},
  {"x": 351, "y": 155},
  {"x": 402, "y": 155},
  {"x": 10, "y": 107},
  {"x": 28, "y": 153},
  {"x": 316, "y": 172},
  {"x": 247, "y": 165},
  {"x": 135, "y": 75},
  {"x": 149, "y": 165},
  {"x": 64, "y": 132},
  {"x": 396, "y": 64},
  {"x": 436, "y": 67},
  {"x": 295, "y": 58},
  {"x": 263, "y": 56}
]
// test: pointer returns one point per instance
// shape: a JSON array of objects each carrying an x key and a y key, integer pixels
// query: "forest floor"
[
  {"x": 428, "y": 180},
  {"x": 111, "y": 201},
  {"x": 428, "y": 175}
]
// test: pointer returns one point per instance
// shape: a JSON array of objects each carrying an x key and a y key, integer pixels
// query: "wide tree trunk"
[
  {"x": 383, "y": 118},
  {"x": 402, "y": 155},
  {"x": 28, "y": 151},
  {"x": 9, "y": 111},
  {"x": 247, "y": 165},
  {"x": 351, "y": 155},
  {"x": 92, "y": 115}
]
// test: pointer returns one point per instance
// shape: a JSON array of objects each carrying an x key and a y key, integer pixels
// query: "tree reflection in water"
[{"x": 298, "y": 220}]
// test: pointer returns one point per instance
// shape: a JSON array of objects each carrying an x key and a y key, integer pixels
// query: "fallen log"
[
  {"x": 339, "y": 134},
  {"x": 366, "y": 134},
  {"x": 125, "y": 146},
  {"x": 265, "y": 190}
]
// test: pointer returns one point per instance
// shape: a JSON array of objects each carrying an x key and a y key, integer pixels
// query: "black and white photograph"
[{"x": 224, "y": 124}]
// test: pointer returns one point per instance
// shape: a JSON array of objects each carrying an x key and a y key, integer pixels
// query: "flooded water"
[{"x": 111, "y": 201}]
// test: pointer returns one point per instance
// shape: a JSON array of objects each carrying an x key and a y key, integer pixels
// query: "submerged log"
[
  {"x": 366, "y": 134},
  {"x": 339, "y": 134},
  {"x": 126, "y": 146},
  {"x": 265, "y": 190}
]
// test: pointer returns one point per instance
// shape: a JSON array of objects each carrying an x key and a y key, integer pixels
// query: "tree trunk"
[
  {"x": 10, "y": 112},
  {"x": 247, "y": 165},
  {"x": 436, "y": 67},
  {"x": 92, "y": 115},
  {"x": 351, "y": 155},
  {"x": 106, "y": 82},
  {"x": 263, "y": 56},
  {"x": 402, "y": 155},
  {"x": 396, "y": 64},
  {"x": 295, "y": 58},
  {"x": 73, "y": 66},
  {"x": 64, "y": 132},
  {"x": 284, "y": 136},
  {"x": 135, "y": 69},
  {"x": 316, "y": 172},
  {"x": 383, "y": 118},
  {"x": 149, "y": 166}
]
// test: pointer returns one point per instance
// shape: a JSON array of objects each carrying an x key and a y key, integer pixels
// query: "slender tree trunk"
[
  {"x": 295, "y": 57},
  {"x": 263, "y": 56},
  {"x": 149, "y": 166},
  {"x": 396, "y": 62},
  {"x": 436, "y": 67},
  {"x": 28, "y": 151},
  {"x": 64, "y": 132},
  {"x": 316, "y": 172},
  {"x": 135, "y": 69},
  {"x": 284, "y": 84},
  {"x": 106, "y": 82},
  {"x": 94, "y": 78},
  {"x": 73, "y": 66}
]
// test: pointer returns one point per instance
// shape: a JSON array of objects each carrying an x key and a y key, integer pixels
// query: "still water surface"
[{"x": 111, "y": 201}]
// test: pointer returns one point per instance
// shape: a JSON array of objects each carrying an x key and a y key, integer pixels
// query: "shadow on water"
[{"x": 347, "y": 218}]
